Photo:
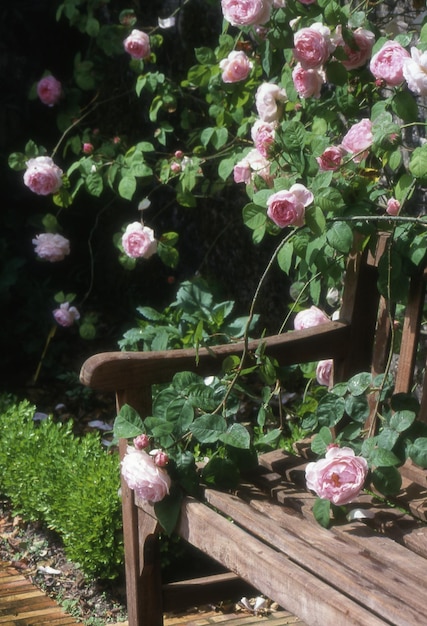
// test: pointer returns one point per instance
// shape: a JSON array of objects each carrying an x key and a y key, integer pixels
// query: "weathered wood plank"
[{"x": 291, "y": 586}]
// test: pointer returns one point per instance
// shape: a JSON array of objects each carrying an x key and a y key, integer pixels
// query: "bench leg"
[{"x": 142, "y": 564}]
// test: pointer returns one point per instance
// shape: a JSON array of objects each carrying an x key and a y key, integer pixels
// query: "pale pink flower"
[
  {"x": 308, "y": 318},
  {"x": 42, "y": 176},
  {"x": 313, "y": 45},
  {"x": 308, "y": 82},
  {"x": 267, "y": 98},
  {"x": 324, "y": 371},
  {"x": 263, "y": 135},
  {"x": 51, "y": 247},
  {"x": 360, "y": 51},
  {"x": 287, "y": 207},
  {"x": 393, "y": 206},
  {"x": 137, "y": 44},
  {"x": 242, "y": 172},
  {"x": 49, "y": 90},
  {"x": 330, "y": 159},
  {"x": 149, "y": 482},
  {"x": 246, "y": 12},
  {"x": 235, "y": 67},
  {"x": 339, "y": 477},
  {"x": 415, "y": 72},
  {"x": 260, "y": 166},
  {"x": 279, "y": 4},
  {"x": 387, "y": 63},
  {"x": 138, "y": 241},
  {"x": 66, "y": 315},
  {"x": 358, "y": 139}
]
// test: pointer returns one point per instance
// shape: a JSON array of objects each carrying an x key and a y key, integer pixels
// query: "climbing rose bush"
[{"x": 339, "y": 477}]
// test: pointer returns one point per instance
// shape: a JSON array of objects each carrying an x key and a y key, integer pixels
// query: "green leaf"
[
  {"x": 237, "y": 436},
  {"x": 329, "y": 199},
  {"x": 254, "y": 216},
  {"x": 127, "y": 187},
  {"x": 168, "y": 254},
  {"x": 402, "y": 420},
  {"x": 205, "y": 56},
  {"x": 208, "y": 428},
  {"x": 418, "y": 163},
  {"x": 128, "y": 423},
  {"x": 322, "y": 512},
  {"x": 340, "y": 237},
  {"x": 380, "y": 457},
  {"x": 403, "y": 187},
  {"x": 285, "y": 256},
  {"x": 17, "y": 161},
  {"x": 321, "y": 441},
  {"x": 167, "y": 510},
  {"x": 359, "y": 383},
  {"x": 94, "y": 184},
  {"x": 418, "y": 451},
  {"x": 330, "y": 410},
  {"x": 405, "y": 106},
  {"x": 336, "y": 73},
  {"x": 315, "y": 220},
  {"x": 387, "y": 480}
]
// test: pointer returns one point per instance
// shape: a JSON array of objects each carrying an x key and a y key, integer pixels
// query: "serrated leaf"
[
  {"x": 237, "y": 436},
  {"x": 167, "y": 510},
  {"x": 128, "y": 423},
  {"x": 340, "y": 237},
  {"x": 418, "y": 451},
  {"x": 208, "y": 428},
  {"x": 387, "y": 480},
  {"x": 127, "y": 187},
  {"x": 321, "y": 441},
  {"x": 418, "y": 163}
]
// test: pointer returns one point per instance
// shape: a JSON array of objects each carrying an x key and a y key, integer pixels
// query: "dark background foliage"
[{"x": 212, "y": 239}]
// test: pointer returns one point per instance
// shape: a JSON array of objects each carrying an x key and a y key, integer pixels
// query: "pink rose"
[
  {"x": 339, "y": 477},
  {"x": 308, "y": 83},
  {"x": 324, "y": 372},
  {"x": 387, "y": 63},
  {"x": 161, "y": 459},
  {"x": 287, "y": 207},
  {"x": 267, "y": 97},
  {"x": 138, "y": 241},
  {"x": 358, "y": 139},
  {"x": 360, "y": 51},
  {"x": 415, "y": 71},
  {"x": 246, "y": 12},
  {"x": 308, "y": 318},
  {"x": 141, "y": 474},
  {"x": 52, "y": 247},
  {"x": 137, "y": 44},
  {"x": 42, "y": 176},
  {"x": 393, "y": 206},
  {"x": 242, "y": 172},
  {"x": 49, "y": 90},
  {"x": 66, "y": 314},
  {"x": 313, "y": 45},
  {"x": 235, "y": 67},
  {"x": 263, "y": 134},
  {"x": 330, "y": 159},
  {"x": 260, "y": 166}
]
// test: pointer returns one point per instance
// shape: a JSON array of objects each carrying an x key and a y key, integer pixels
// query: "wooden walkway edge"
[{"x": 24, "y": 604}]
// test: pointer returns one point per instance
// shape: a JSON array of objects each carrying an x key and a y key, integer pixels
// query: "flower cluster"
[{"x": 145, "y": 472}]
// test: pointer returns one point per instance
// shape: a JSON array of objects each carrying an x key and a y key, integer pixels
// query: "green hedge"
[{"x": 69, "y": 483}]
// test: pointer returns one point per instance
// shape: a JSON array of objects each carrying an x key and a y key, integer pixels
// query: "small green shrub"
[{"x": 71, "y": 484}]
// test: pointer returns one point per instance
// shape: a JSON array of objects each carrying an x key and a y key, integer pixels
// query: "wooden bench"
[{"x": 367, "y": 573}]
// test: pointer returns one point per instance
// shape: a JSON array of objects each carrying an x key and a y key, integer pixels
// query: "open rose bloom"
[
  {"x": 415, "y": 71},
  {"x": 137, "y": 44},
  {"x": 235, "y": 67},
  {"x": 246, "y": 12},
  {"x": 287, "y": 207},
  {"x": 66, "y": 315},
  {"x": 42, "y": 176},
  {"x": 51, "y": 247},
  {"x": 138, "y": 241},
  {"x": 339, "y": 477},
  {"x": 387, "y": 63},
  {"x": 149, "y": 481},
  {"x": 49, "y": 90},
  {"x": 267, "y": 101},
  {"x": 358, "y": 139},
  {"x": 309, "y": 318},
  {"x": 313, "y": 46}
]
